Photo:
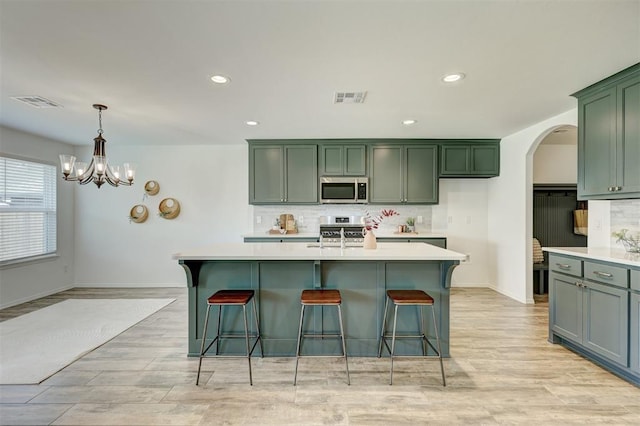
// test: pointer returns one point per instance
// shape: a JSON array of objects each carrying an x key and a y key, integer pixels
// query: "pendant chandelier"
[{"x": 98, "y": 170}]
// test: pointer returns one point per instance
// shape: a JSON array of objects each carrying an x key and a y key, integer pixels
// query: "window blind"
[{"x": 27, "y": 209}]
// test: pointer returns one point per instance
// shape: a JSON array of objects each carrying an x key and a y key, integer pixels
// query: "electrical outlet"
[
  {"x": 419, "y": 219},
  {"x": 258, "y": 219},
  {"x": 301, "y": 219}
]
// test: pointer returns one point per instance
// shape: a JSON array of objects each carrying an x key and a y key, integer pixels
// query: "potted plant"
[{"x": 411, "y": 221}]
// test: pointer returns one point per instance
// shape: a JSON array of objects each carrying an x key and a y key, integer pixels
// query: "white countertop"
[
  {"x": 606, "y": 254},
  {"x": 315, "y": 235},
  {"x": 278, "y": 236},
  {"x": 300, "y": 251}
]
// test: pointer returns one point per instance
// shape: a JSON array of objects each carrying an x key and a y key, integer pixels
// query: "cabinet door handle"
[
  {"x": 618, "y": 188},
  {"x": 563, "y": 266},
  {"x": 603, "y": 274},
  {"x": 578, "y": 284}
]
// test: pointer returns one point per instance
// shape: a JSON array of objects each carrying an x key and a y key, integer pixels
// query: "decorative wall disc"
[
  {"x": 169, "y": 208},
  {"x": 151, "y": 187},
  {"x": 138, "y": 213}
]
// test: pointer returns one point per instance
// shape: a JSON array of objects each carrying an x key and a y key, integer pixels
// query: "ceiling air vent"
[
  {"x": 349, "y": 97},
  {"x": 37, "y": 101}
]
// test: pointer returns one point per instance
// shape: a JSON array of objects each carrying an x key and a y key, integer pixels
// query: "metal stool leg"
[
  {"x": 246, "y": 338},
  {"x": 255, "y": 315},
  {"x": 422, "y": 330},
  {"x": 295, "y": 377},
  {"x": 393, "y": 342},
  {"x": 344, "y": 346},
  {"x": 218, "y": 330},
  {"x": 384, "y": 324},
  {"x": 435, "y": 326},
  {"x": 204, "y": 337}
]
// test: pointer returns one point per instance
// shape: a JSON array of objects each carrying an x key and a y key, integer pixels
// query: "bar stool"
[
  {"x": 231, "y": 298},
  {"x": 321, "y": 298},
  {"x": 410, "y": 298}
]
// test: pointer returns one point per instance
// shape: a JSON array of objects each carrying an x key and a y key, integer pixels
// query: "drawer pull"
[
  {"x": 603, "y": 274},
  {"x": 563, "y": 266}
]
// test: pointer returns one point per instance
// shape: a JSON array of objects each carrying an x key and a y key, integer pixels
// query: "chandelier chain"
[{"x": 100, "y": 131}]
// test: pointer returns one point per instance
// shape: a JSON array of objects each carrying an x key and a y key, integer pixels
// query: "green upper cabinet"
[
  {"x": 474, "y": 159},
  {"x": 609, "y": 137},
  {"x": 403, "y": 174},
  {"x": 283, "y": 174},
  {"x": 343, "y": 160}
]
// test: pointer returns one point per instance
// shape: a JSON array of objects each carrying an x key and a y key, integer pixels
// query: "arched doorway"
[{"x": 552, "y": 180}]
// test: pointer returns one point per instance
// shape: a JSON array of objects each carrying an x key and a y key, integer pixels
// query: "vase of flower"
[
  {"x": 630, "y": 242},
  {"x": 372, "y": 222},
  {"x": 369, "y": 239}
]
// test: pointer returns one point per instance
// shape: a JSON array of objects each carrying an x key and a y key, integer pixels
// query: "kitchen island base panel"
[{"x": 278, "y": 285}]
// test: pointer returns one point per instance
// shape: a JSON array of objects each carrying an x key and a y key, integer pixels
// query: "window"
[{"x": 27, "y": 209}]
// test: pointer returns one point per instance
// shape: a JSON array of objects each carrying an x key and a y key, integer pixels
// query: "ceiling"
[{"x": 151, "y": 63}]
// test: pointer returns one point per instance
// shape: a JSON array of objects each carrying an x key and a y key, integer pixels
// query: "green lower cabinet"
[
  {"x": 592, "y": 315},
  {"x": 605, "y": 321},
  {"x": 594, "y": 309},
  {"x": 634, "y": 329},
  {"x": 438, "y": 242},
  {"x": 565, "y": 307},
  {"x": 280, "y": 240},
  {"x": 278, "y": 285}
]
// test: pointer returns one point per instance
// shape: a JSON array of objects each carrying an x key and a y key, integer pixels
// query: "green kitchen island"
[{"x": 279, "y": 272}]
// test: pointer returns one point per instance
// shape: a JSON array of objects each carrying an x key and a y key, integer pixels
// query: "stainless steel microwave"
[{"x": 344, "y": 190}]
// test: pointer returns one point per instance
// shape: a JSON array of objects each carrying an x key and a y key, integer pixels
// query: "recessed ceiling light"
[
  {"x": 452, "y": 78},
  {"x": 220, "y": 79},
  {"x": 409, "y": 122},
  {"x": 252, "y": 123}
]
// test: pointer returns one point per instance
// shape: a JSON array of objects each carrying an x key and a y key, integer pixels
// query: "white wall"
[
  {"x": 27, "y": 281},
  {"x": 510, "y": 205},
  {"x": 210, "y": 182},
  {"x": 461, "y": 215},
  {"x": 555, "y": 164}
]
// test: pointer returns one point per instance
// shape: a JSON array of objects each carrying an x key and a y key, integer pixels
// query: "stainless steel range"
[{"x": 332, "y": 228}]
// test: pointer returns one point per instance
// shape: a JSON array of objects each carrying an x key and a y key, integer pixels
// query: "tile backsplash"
[
  {"x": 308, "y": 217},
  {"x": 624, "y": 214}
]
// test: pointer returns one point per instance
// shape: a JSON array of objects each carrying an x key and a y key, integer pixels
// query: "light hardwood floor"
[{"x": 502, "y": 371}]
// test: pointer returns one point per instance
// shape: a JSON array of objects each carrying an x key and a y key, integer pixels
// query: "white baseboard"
[
  {"x": 470, "y": 285},
  {"x": 35, "y": 296},
  {"x": 129, "y": 285}
]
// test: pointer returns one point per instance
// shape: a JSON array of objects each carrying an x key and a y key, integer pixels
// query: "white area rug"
[{"x": 38, "y": 344}]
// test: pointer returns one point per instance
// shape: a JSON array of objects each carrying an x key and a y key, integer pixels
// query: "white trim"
[{"x": 35, "y": 296}]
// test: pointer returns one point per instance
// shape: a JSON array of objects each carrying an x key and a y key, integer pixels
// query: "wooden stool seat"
[
  {"x": 320, "y": 297},
  {"x": 409, "y": 297},
  {"x": 230, "y": 297}
]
